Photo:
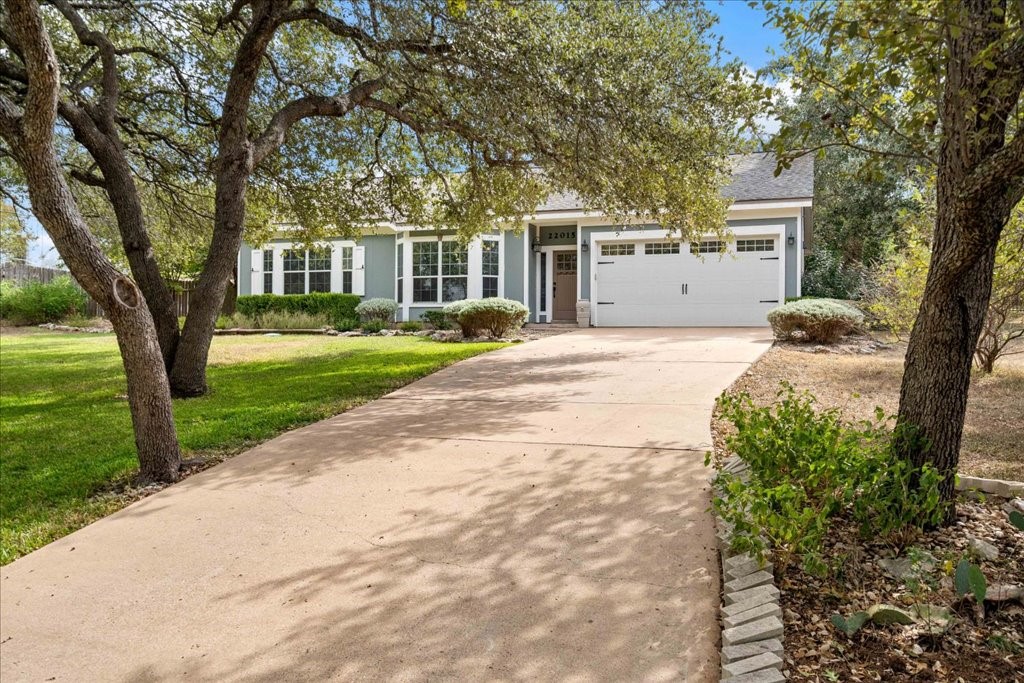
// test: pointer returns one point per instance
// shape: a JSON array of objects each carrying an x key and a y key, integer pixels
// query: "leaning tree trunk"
[
  {"x": 188, "y": 375},
  {"x": 937, "y": 370},
  {"x": 28, "y": 132}
]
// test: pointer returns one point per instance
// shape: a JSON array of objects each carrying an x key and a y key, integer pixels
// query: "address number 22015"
[{"x": 567, "y": 234}]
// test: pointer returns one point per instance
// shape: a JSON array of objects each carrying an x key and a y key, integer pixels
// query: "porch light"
[
  {"x": 536, "y": 245},
  {"x": 584, "y": 246},
  {"x": 791, "y": 240}
]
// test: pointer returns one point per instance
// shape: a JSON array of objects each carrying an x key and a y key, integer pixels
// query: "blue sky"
[
  {"x": 740, "y": 26},
  {"x": 743, "y": 32}
]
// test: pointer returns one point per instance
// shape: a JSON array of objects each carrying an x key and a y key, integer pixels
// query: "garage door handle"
[
  {"x": 769, "y": 301},
  {"x": 769, "y": 258},
  {"x": 685, "y": 289}
]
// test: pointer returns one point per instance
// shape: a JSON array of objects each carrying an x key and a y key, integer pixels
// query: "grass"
[
  {"x": 856, "y": 383},
  {"x": 65, "y": 430}
]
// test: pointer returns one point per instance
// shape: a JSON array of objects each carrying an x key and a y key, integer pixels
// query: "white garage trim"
[{"x": 777, "y": 232}]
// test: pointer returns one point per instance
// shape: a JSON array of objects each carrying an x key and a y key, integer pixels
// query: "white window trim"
[
  {"x": 474, "y": 278},
  {"x": 546, "y": 313},
  {"x": 775, "y": 231},
  {"x": 358, "y": 264}
]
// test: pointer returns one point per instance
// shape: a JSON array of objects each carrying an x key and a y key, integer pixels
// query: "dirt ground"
[{"x": 855, "y": 381}]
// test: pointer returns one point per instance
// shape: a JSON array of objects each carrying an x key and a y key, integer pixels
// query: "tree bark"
[
  {"x": 119, "y": 184},
  {"x": 937, "y": 370},
  {"x": 29, "y": 134},
  {"x": 234, "y": 166}
]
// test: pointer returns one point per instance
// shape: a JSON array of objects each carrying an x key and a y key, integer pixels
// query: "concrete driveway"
[{"x": 537, "y": 513}]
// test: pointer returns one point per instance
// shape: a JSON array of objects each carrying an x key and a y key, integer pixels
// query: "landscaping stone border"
[
  {"x": 752, "y": 650},
  {"x": 993, "y": 487}
]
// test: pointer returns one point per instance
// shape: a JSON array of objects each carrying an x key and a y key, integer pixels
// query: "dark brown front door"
[{"x": 564, "y": 283}]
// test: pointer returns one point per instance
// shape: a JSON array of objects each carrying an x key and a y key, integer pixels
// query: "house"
[{"x": 569, "y": 264}]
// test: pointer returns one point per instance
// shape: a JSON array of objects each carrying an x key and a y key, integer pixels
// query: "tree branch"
[
  {"x": 108, "y": 59},
  {"x": 305, "y": 107}
]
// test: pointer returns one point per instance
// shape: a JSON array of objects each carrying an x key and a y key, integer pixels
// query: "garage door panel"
[{"x": 735, "y": 289}]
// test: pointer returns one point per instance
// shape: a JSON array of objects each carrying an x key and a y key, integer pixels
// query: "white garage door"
[{"x": 663, "y": 284}]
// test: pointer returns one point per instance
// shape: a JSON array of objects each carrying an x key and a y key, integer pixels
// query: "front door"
[{"x": 564, "y": 285}]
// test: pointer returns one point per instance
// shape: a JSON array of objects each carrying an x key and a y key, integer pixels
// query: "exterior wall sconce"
[
  {"x": 536, "y": 245},
  {"x": 791, "y": 240},
  {"x": 584, "y": 246}
]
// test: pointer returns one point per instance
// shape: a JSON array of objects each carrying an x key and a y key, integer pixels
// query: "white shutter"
[
  {"x": 336, "y": 277},
  {"x": 359, "y": 270},
  {"x": 256, "y": 286}
]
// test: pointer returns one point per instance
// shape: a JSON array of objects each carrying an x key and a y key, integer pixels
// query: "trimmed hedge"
[
  {"x": 338, "y": 308},
  {"x": 814, "y": 320},
  {"x": 378, "y": 309},
  {"x": 495, "y": 316}
]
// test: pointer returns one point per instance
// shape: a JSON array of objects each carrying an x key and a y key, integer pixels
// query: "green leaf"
[
  {"x": 851, "y": 625},
  {"x": 970, "y": 579},
  {"x": 1017, "y": 519},
  {"x": 889, "y": 614}
]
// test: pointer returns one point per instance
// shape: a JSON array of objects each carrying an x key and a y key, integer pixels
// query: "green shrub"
[
  {"x": 281, "y": 320},
  {"x": 374, "y": 326},
  {"x": 377, "y": 309},
  {"x": 827, "y": 275},
  {"x": 805, "y": 468},
  {"x": 346, "y": 324},
  {"x": 411, "y": 326},
  {"x": 335, "y": 307},
  {"x": 224, "y": 322},
  {"x": 436, "y": 319},
  {"x": 451, "y": 312},
  {"x": 814, "y": 320},
  {"x": 35, "y": 302},
  {"x": 497, "y": 317}
]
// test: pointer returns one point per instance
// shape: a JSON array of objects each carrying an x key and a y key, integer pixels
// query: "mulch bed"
[{"x": 976, "y": 647}]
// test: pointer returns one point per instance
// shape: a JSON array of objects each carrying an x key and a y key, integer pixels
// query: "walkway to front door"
[
  {"x": 538, "y": 513},
  {"x": 564, "y": 286}
]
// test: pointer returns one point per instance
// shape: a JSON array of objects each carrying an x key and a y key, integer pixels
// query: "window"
[
  {"x": 346, "y": 270},
  {"x": 319, "y": 270},
  {"x": 618, "y": 249},
  {"x": 707, "y": 247},
  {"x": 543, "y": 281},
  {"x": 755, "y": 245},
  {"x": 268, "y": 271},
  {"x": 489, "y": 251},
  {"x": 454, "y": 271},
  {"x": 306, "y": 271},
  {"x": 294, "y": 271},
  {"x": 653, "y": 248},
  {"x": 399, "y": 269},
  {"x": 565, "y": 263},
  {"x": 424, "y": 271}
]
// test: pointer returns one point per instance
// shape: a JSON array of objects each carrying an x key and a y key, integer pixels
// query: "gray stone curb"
[
  {"x": 752, "y": 650},
  {"x": 993, "y": 487}
]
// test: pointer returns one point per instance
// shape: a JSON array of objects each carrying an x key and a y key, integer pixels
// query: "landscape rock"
[
  {"x": 983, "y": 550},
  {"x": 730, "y": 653},
  {"x": 900, "y": 568},
  {"x": 446, "y": 336},
  {"x": 762, "y": 629},
  {"x": 767, "y": 660}
]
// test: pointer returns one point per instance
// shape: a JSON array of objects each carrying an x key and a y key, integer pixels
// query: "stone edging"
[
  {"x": 993, "y": 487},
  {"x": 751, "y": 613}
]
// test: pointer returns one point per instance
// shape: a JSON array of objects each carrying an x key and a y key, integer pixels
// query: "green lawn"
[{"x": 65, "y": 431}]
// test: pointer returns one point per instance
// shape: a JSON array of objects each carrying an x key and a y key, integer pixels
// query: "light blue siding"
[
  {"x": 513, "y": 246},
  {"x": 380, "y": 265}
]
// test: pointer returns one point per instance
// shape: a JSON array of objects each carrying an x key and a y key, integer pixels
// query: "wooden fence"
[{"x": 19, "y": 273}]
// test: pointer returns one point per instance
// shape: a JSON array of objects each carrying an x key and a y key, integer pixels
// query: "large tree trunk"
[
  {"x": 235, "y": 164},
  {"x": 188, "y": 376},
  {"x": 29, "y": 133},
  {"x": 937, "y": 371}
]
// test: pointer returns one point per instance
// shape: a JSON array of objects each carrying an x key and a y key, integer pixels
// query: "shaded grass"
[
  {"x": 65, "y": 429},
  {"x": 855, "y": 383}
]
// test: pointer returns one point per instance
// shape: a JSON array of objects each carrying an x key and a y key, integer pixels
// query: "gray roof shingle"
[{"x": 753, "y": 179}]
